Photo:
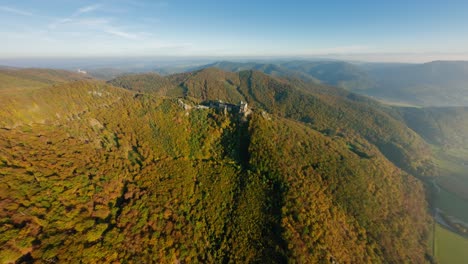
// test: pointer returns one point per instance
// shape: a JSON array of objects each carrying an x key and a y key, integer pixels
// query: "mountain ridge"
[
  {"x": 423, "y": 84},
  {"x": 127, "y": 175},
  {"x": 303, "y": 103}
]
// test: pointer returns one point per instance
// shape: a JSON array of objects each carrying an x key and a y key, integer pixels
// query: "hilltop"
[
  {"x": 327, "y": 109},
  {"x": 111, "y": 174}
]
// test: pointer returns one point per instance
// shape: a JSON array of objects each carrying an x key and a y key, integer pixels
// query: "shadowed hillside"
[
  {"x": 445, "y": 129},
  {"x": 438, "y": 83}
]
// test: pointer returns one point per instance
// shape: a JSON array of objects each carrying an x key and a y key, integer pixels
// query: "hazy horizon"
[
  {"x": 363, "y": 30},
  {"x": 161, "y": 61}
]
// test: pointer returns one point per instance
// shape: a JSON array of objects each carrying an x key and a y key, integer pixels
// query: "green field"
[
  {"x": 452, "y": 205},
  {"x": 452, "y": 199},
  {"x": 451, "y": 160},
  {"x": 453, "y": 180},
  {"x": 450, "y": 248},
  {"x": 459, "y": 171}
]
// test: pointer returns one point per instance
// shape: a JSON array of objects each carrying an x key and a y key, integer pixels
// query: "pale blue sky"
[{"x": 369, "y": 29}]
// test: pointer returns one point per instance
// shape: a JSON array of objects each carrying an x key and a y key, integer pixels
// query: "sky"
[{"x": 372, "y": 30}]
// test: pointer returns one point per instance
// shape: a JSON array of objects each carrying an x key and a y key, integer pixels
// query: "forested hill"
[
  {"x": 94, "y": 173},
  {"x": 278, "y": 70},
  {"x": 336, "y": 73},
  {"x": 444, "y": 126},
  {"x": 432, "y": 84},
  {"x": 13, "y": 78},
  {"x": 332, "y": 111}
]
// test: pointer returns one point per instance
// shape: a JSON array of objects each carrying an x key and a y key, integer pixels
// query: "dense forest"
[
  {"x": 136, "y": 171},
  {"x": 323, "y": 108}
]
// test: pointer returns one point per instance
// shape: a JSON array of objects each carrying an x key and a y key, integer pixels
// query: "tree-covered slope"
[
  {"x": 35, "y": 78},
  {"x": 57, "y": 102},
  {"x": 335, "y": 73},
  {"x": 273, "y": 69},
  {"x": 327, "y": 109},
  {"x": 445, "y": 129},
  {"x": 340, "y": 173},
  {"x": 122, "y": 177},
  {"x": 443, "y": 126},
  {"x": 147, "y": 82},
  {"x": 339, "y": 114}
]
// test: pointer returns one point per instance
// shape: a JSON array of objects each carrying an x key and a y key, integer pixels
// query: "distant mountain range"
[{"x": 440, "y": 83}]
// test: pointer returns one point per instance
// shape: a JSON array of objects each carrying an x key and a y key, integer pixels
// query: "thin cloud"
[
  {"x": 90, "y": 22},
  {"x": 15, "y": 11},
  {"x": 79, "y": 21},
  {"x": 120, "y": 33},
  {"x": 87, "y": 9},
  {"x": 80, "y": 11},
  {"x": 99, "y": 24},
  {"x": 145, "y": 4}
]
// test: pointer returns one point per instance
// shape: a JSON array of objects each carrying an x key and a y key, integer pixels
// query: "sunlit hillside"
[{"x": 98, "y": 173}]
